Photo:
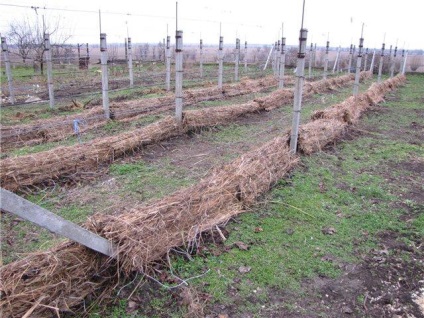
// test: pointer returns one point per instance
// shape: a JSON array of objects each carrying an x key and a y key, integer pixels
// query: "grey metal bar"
[{"x": 27, "y": 210}]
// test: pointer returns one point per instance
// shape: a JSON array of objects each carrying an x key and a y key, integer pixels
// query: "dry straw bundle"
[
  {"x": 44, "y": 130},
  {"x": 329, "y": 124},
  {"x": 144, "y": 235},
  {"x": 214, "y": 116},
  {"x": 314, "y": 135},
  {"x": 275, "y": 99},
  {"x": 54, "y": 129},
  {"x": 67, "y": 161},
  {"x": 53, "y": 281},
  {"x": 63, "y": 276}
]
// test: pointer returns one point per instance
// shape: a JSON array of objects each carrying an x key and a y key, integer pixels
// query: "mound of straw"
[
  {"x": 67, "y": 161},
  {"x": 53, "y": 281},
  {"x": 214, "y": 116},
  {"x": 48, "y": 130},
  {"x": 65, "y": 275},
  {"x": 329, "y": 124},
  {"x": 314, "y": 135}
]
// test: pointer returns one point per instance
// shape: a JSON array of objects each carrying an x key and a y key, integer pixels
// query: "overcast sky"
[{"x": 258, "y": 22}]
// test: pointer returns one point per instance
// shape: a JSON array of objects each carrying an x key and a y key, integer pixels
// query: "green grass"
[
  {"x": 353, "y": 189},
  {"x": 148, "y": 181}
]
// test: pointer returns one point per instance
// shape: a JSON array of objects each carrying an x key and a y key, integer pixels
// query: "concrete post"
[
  {"x": 237, "y": 61},
  {"x": 358, "y": 67},
  {"x": 380, "y": 66},
  {"x": 311, "y": 50},
  {"x": 130, "y": 63},
  {"x": 179, "y": 76},
  {"x": 404, "y": 56},
  {"x": 336, "y": 61},
  {"x": 392, "y": 66},
  {"x": 49, "y": 69},
  {"x": 220, "y": 61},
  {"x": 372, "y": 63},
  {"x": 201, "y": 58},
  {"x": 327, "y": 47},
  {"x": 267, "y": 59},
  {"x": 126, "y": 50},
  {"x": 274, "y": 59},
  {"x": 282, "y": 63},
  {"x": 297, "y": 105},
  {"x": 365, "y": 59},
  {"x": 168, "y": 63},
  {"x": 105, "y": 80},
  {"x": 277, "y": 64},
  {"x": 350, "y": 58},
  {"x": 245, "y": 56},
  {"x": 8, "y": 70},
  {"x": 14, "y": 204},
  {"x": 315, "y": 55}
]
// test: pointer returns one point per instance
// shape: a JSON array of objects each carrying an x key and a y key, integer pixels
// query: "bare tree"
[
  {"x": 28, "y": 36},
  {"x": 112, "y": 52},
  {"x": 20, "y": 37}
]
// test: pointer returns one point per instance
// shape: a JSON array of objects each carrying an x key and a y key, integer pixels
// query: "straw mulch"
[
  {"x": 144, "y": 235},
  {"x": 213, "y": 116},
  {"x": 63, "y": 276},
  {"x": 47, "y": 130},
  {"x": 54, "y": 281},
  {"x": 44, "y": 130},
  {"x": 276, "y": 99},
  {"x": 351, "y": 109},
  {"x": 314, "y": 135},
  {"x": 329, "y": 124},
  {"x": 66, "y": 161}
]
